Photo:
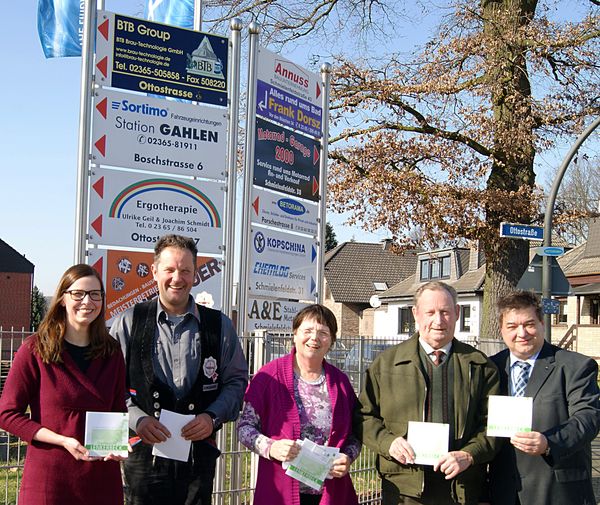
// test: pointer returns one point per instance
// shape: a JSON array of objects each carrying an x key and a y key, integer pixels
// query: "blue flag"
[
  {"x": 60, "y": 25},
  {"x": 171, "y": 12}
]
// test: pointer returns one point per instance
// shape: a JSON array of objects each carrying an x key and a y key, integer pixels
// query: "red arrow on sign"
[
  {"x": 99, "y": 266},
  {"x": 315, "y": 187},
  {"x": 255, "y": 205},
  {"x": 318, "y": 90},
  {"x": 103, "y": 29},
  {"x": 97, "y": 225},
  {"x": 101, "y": 145},
  {"x": 101, "y": 107},
  {"x": 315, "y": 155},
  {"x": 99, "y": 186},
  {"x": 102, "y": 65}
]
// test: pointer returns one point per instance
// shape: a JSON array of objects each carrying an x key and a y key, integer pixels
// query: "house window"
[
  {"x": 594, "y": 312},
  {"x": 445, "y": 260},
  {"x": 380, "y": 286},
  {"x": 465, "y": 318},
  {"x": 561, "y": 317},
  {"x": 406, "y": 321},
  {"x": 435, "y": 268},
  {"x": 424, "y": 270}
]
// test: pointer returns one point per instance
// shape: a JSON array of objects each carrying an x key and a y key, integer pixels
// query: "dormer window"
[{"x": 435, "y": 268}]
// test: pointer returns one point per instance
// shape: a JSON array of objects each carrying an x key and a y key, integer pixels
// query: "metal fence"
[{"x": 236, "y": 469}]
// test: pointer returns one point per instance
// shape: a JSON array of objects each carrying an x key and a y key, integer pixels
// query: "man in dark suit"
[{"x": 552, "y": 463}]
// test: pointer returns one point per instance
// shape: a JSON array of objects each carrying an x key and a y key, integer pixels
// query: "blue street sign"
[
  {"x": 550, "y": 251},
  {"x": 524, "y": 231},
  {"x": 550, "y": 306}
]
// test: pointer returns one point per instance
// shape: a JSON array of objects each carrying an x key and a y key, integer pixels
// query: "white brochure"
[
  {"x": 175, "y": 447},
  {"x": 106, "y": 433},
  {"x": 428, "y": 440},
  {"x": 508, "y": 415},
  {"x": 312, "y": 464}
]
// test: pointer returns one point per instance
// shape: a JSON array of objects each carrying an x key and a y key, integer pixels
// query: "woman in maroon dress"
[{"x": 69, "y": 367}]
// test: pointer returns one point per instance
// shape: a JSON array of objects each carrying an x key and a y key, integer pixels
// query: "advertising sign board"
[
  {"x": 134, "y": 210},
  {"x": 128, "y": 279},
  {"x": 285, "y": 161},
  {"x": 148, "y": 133},
  {"x": 278, "y": 105},
  {"x": 277, "y": 315},
  {"x": 282, "y": 265},
  {"x": 284, "y": 74},
  {"x": 281, "y": 211},
  {"x": 141, "y": 55}
]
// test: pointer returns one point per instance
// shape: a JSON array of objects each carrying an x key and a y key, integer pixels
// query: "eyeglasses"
[
  {"x": 323, "y": 335},
  {"x": 79, "y": 294}
]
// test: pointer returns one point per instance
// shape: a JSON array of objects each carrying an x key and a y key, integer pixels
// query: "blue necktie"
[{"x": 522, "y": 377}]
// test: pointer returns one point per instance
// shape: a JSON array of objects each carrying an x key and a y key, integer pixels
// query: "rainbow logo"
[{"x": 179, "y": 187}]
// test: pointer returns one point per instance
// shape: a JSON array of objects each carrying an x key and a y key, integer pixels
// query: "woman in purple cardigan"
[
  {"x": 71, "y": 366},
  {"x": 296, "y": 397}
]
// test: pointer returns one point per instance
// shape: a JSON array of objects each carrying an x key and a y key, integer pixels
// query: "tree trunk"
[
  {"x": 510, "y": 258},
  {"x": 514, "y": 150}
]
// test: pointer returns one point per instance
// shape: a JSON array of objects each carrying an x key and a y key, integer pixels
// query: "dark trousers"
[
  {"x": 310, "y": 499},
  {"x": 153, "y": 480},
  {"x": 437, "y": 491}
]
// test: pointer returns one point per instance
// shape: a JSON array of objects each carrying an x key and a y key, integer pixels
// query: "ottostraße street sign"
[{"x": 524, "y": 231}]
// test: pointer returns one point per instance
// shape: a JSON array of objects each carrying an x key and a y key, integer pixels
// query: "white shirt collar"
[
  {"x": 531, "y": 360},
  {"x": 428, "y": 349}
]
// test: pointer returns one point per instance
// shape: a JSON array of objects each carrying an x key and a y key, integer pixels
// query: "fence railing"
[{"x": 236, "y": 469}]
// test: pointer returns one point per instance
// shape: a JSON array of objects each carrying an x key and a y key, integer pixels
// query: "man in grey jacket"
[
  {"x": 552, "y": 463},
  {"x": 431, "y": 377},
  {"x": 184, "y": 358}
]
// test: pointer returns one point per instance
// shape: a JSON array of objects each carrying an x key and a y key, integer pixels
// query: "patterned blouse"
[{"x": 314, "y": 407}]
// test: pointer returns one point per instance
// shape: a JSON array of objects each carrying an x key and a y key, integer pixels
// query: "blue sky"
[{"x": 38, "y": 143}]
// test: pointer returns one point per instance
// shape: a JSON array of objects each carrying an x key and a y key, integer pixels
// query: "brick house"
[
  {"x": 16, "y": 285},
  {"x": 354, "y": 272}
]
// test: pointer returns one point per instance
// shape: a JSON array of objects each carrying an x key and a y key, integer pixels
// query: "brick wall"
[
  {"x": 15, "y": 300},
  {"x": 588, "y": 341}
]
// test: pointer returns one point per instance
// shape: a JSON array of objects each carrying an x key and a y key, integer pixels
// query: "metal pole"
[
  {"x": 546, "y": 267},
  {"x": 326, "y": 81},
  {"x": 198, "y": 15},
  {"x": 235, "y": 44},
  {"x": 254, "y": 30},
  {"x": 85, "y": 130}
]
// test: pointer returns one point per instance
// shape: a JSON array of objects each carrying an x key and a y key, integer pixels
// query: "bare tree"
[{"x": 578, "y": 198}]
